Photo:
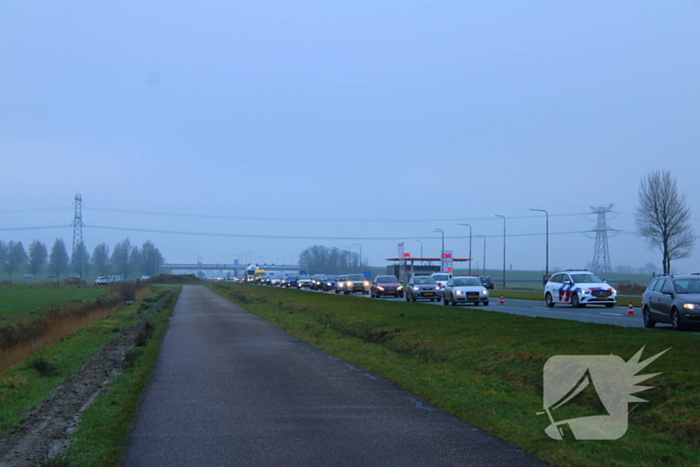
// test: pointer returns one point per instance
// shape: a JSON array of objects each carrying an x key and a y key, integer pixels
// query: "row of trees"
[
  {"x": 125, "y": 259},
  {"x": 320, "y": 259}
]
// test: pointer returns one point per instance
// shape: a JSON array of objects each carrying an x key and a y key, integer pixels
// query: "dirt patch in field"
[{"x": 46, "y": 430}]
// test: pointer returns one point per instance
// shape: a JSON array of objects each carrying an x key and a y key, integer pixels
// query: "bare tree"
[
  {"x": 37, "y": 257},
  {"x": 59, "y": 257},
  {"x": 3, "y": 254},
  {"x": 151, "y": 259},
  {"x": 663, "y": 218},
  {"x": 122, "y": 257},
  {"x": 100, "y": 258},
  {"x": 79, "y": 259},
  {"x": 16, "y": 256}
]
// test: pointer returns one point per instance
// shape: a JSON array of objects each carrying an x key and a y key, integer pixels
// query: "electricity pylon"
[
  {"x": 601, "y": 253},
  {"x": 78, "y": 246}
]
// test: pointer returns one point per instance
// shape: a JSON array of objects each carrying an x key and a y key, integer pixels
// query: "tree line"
[
  {"x": 125, "y": 259},
  {"x": 320, "y": 259}
]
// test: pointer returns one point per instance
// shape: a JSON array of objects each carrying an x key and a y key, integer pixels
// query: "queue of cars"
[{"x": 672, "y": 299}]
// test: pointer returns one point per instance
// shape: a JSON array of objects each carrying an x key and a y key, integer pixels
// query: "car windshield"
[
  {"x": 440, "y": 277},
  {"x": 687, "y": 286},
  {"x": 320, "y": 277},
  {"x": 356, "y": 277},
  {"x": 332, "y": 278},
  {"x": 465, "y": 281},
  {"x": 387, "y": 280},
  {"x": 586, "y": 278},
  {"x": 425, "y": 280},
  {"x": 291, "y": 278}
]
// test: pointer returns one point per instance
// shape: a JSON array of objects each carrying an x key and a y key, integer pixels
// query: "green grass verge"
[
  {"x": 486, "y": 367},
  {"x": 104, "y": 426},
  {"x": 538, "y": 295},
  {"x": 25, "y": 385},
  {"x": 16, "y": 299}
]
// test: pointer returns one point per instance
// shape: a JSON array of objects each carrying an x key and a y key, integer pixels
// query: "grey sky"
[{"x": 378, "y": 119}]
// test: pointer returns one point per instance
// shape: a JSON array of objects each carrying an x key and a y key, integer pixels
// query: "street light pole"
[
  {"x": 442, "y": 252},
  {"x": 357, "y": 244},
  {"x": 504, "y": 247},
  {"x": 546, "y": 268},
  {"x": 470, "y": 247},
  {"x": 484, "y": 261},
  {"x": 421, "y": 247}
]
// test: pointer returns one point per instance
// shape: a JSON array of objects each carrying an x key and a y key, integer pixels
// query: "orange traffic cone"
[
  {"x": 502, "y": 302},
  {"x": 630, "y": 310}
]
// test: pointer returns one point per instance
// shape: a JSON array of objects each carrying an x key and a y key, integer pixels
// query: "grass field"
[
  {"x": 19, "y": 299},
  {"x": 487, "y": 368}
]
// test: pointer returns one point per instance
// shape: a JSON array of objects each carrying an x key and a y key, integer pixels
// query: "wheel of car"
[
  {"x": 406, "y": 296},
  {"x": 486, "y": 303},
  {"x": 346, "y": 292},
  {"x": 575, "y": 301},
  {"x": 476, "y": 303},
  {"x": 648, "y": 322},
  {"x": 676, "y": 320},
  {"x": 413, "y": 298},
  {"x": 547, "y": 300},
  {"x": 337, "y": 291},
  {"x": 609, "y": 305}
]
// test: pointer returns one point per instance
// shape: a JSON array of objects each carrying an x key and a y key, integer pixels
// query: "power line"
[
  {"x": 287, "y": 219},
  {"x": 43, "y": 227},
  {"x": 34, "y": 209},
  {"x": 298, "y": 237}
]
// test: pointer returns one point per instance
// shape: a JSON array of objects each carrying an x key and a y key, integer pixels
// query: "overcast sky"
[{"x": 274, "y": 126}]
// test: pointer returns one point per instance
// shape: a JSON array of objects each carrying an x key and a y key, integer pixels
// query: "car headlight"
[
  {"x": 691, "y": 306},
  {"x": 585, "y": 291},
  {"x": 366, "y": 283},
  {"x": 459, "y": 292},
  {"x": 484, "y": 292},
  {"x": 613, "y": 291},
  {"x": 380, "y": 289},
  {"x": 348, "y": 283},
  {"x": 416, "y": 288}
]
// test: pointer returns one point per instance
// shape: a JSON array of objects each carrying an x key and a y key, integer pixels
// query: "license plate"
[
  {"x": 472, "y": 295},
  {"x": 429, "y": 294}
]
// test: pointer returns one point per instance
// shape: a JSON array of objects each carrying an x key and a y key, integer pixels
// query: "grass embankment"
[
  {"x": 538, "y": 295},
  {"x": 28, "y": 331},
  {"x": 486, "y": 367},
  {"x": 104, "y": 426}
]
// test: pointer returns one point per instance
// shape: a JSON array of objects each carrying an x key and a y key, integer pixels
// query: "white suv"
[{"x": 579, "y": 288}]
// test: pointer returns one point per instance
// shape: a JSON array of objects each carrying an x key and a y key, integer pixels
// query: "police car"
[{"x": 579, "y": 288}]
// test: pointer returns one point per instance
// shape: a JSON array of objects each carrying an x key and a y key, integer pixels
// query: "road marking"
[
  {"x": 419, "y": 404},
  {"x": 612, "y": 314}
]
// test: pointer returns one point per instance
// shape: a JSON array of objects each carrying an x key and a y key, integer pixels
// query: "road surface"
[{"x": 231, "y": 389}]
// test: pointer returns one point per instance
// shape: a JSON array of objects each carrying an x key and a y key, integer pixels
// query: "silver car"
[
  {"x": 466, "y": 289},
  {"x": 422, "y": 288}
]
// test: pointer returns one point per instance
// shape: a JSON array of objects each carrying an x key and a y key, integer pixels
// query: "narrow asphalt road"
[{"x": 231, "y": 389}]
